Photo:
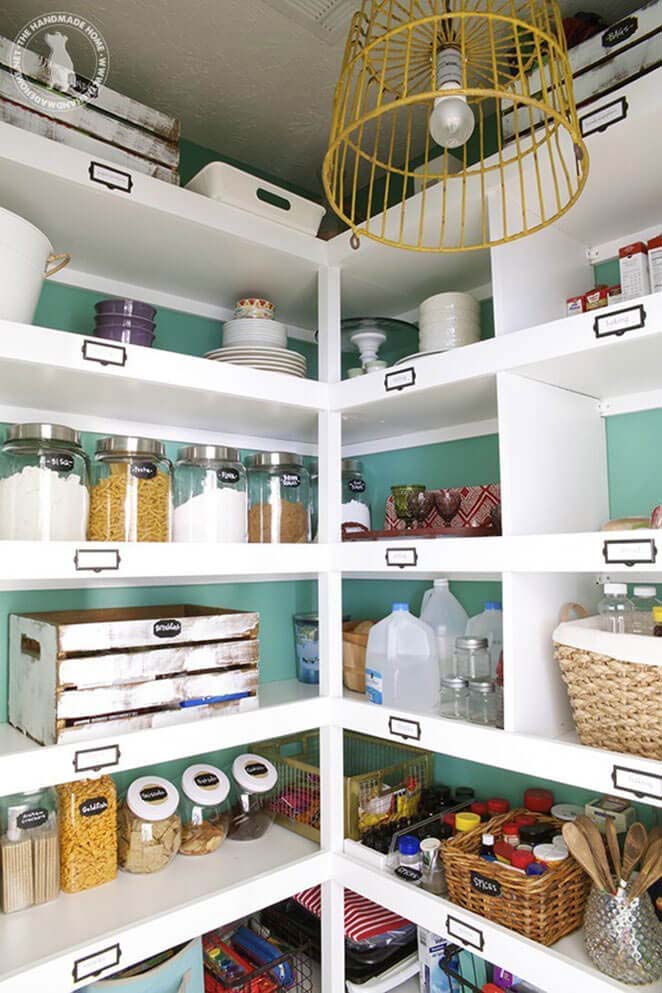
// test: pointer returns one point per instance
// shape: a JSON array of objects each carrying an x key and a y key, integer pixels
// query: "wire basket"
[
  {"x": 460, "y": 982},
  {"x": 370, "y": 765},
  {"x": 291, "y": 971}
]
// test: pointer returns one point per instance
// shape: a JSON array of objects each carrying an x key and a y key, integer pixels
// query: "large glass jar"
[
  {"x": 44, "y": 484},
  {"x": 472, "y": 658},
  {"x": 455, "y": 698},
  {"x": 29, "y": 850},
  {"x": 279, "y": 498},
  {"x": 131, "y": 494},
  {"x": 149, "y": 829},
  {"x": 482, "y": 702},
  {"x": 211, "y": 498},
  {"x": 204, "y": 809},
  {"x": 254, "y": 777},
  {"x": 355, "y": 502}
]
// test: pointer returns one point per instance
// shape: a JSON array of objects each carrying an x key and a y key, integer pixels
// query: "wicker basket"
[
  {"x": 542, "y": 908},
  {"x": 353, "y": 656},
  {"x": 615, "y": 686}
]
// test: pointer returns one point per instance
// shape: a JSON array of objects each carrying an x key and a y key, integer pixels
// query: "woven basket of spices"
[{"x": 542, "y": 908}]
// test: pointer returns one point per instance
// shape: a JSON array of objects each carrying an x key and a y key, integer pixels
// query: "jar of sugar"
[
  {"x": 211, "y": 499},
  {"x": 44, "y": 478},
  {"x": 355, "y": 502}
]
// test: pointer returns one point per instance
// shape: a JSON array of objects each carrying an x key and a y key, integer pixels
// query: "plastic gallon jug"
[
  {"x": 489, "y": 625},
  {"x": 402, "y": 667},
  {"x": 447, "y": 618}
]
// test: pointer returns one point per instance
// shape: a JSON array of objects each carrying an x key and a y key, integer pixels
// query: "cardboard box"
[{"x": 635, "y": 274}]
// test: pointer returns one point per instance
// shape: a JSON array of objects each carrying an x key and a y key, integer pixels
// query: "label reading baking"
[
  {"x": 356, "y": 486},
  {"x": 97, "y": 559},
  {"x": 143, "y": 470},
  {"x": 485, "y": 885},
  {"x": 290, "y": 480},
  {"x": 403, "y": 728},
  {"x": 466, "y": 934},
  {"x": 602, "y": 118},
  {"x": 206, "y": 780},
  {"x": 641, "y": 784},
  {"x": 257, "y": 769},
  {"x": 153, "y": 794},
  {"x": 95, "y": 805},
  {"x": 399, "y": 380},
  {"x": 630, "y": 552},
  {"x": 59, "y": 462},
  {"x": 619, "y": 322},
  {"x": 104, "y": 354},
  {"x": 32, "y": 818},
  {"x": 230, "y": 476},
  {"x": 94, "y": 965},
  {"x": 400, "y": 558},
  {"x": 618, "y": 33},
  {"x": 169, "y": 628},
  {"x": 113, "y": 179}
]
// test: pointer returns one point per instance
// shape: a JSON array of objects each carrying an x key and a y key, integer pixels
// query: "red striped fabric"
[{"x": 363, "y": 918}]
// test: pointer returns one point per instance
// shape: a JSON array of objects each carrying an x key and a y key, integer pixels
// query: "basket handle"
[
  {"x": 60, "y": 261},
  {"x": 571, "y": 612}
]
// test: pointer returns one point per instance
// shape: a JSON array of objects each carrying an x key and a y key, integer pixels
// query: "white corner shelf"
[{"x": 148, "y": 914}]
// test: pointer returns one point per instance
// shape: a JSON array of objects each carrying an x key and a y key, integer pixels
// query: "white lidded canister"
[{"x": 26, "y": 258}]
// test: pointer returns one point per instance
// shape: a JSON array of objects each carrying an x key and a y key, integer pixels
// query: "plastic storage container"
[
  {"x": 131, "y": 492},
  {"x": 43, "y": 484},
  {"x": 29, "y": 850},
  {"x": 472, "y": 658},
  {"x": 306, "y": 643},
  {"x": 402, "y": 668},
  {"x": 205, "y": 810},
  {"x": 88, "y": 833},
  {"x": 447, "y": 618},
  {"x": 180, "y": 970},
  {"x": 279, "y": 498},
  {"x": 644, "y": 598},
  {"x": 455, "y": 698},
  {"x": 253, "y": 778},
  {"x": 149, "y": 829},
  {"x": 210, "y": 495},
  {"x": 355, "y": 501},
  {"x": 615, "y": 609},
  {"x": 489, "y": 624}
]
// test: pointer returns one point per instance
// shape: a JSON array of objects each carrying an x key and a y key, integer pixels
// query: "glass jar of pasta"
[
  {"x": 131, "y": 495},
  {"x": 88, "y": 833}
]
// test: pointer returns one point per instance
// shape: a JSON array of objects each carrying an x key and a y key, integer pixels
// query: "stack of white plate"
[
  {"x": 249, "y": 331},
  {"x": 448, "y": 320},
  {"x": 259, "y": 357}
]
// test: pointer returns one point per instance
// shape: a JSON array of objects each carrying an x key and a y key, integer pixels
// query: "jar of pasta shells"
[
  {"x": 204, "y": 809},
  {"x": 149, "y": 829},
  {"x": 88, "y": 833},
  {"x": 131, "y": 495}
]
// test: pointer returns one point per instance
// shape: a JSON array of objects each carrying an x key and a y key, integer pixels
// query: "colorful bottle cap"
[
  {"x": 497, "y": 805},
  {"x": 521, "y": 860},
  {"x": 409, "y": 845},
  {"x": 540, "y": 801},
  {"x": 466, "y": 821},
  {"x": 479, "y": 807},
  {"x": 536, "y": 869}
]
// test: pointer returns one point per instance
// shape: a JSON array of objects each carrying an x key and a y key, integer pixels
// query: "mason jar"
[
  {"x": 44, "y": 481},
  {"x": 204, "y": 808},
  {"x": 455, "y": 698},
  {"x": 482, "y": 702},
  {"x": 355, "y": 502},
  {"x": 278, "y": 498},
  {"x": 131, "y": 493},
  {"x": 471, "y": 658},
  {"x": 211, "y": 495}
]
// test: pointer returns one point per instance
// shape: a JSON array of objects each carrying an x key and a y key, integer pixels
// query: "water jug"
[
  {"x": 489, "y": 624},
  {"x": 447, "y": 618},
  {"x": 402, "y": 667}
]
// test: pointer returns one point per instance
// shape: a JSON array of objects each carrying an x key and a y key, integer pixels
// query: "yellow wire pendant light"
[{"x": 454, "y": 124}]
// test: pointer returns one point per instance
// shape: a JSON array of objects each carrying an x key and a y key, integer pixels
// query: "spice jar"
[
  {"x": 130, "y": 498},
  {"x": 29, "y": 850},
  {"x": 253, "y": 778},
  {"x": 279, "y": 498},
  {"x": 455, "y": 698},
  {"x": 211, "y": 495},
  {"x": 482, "y": 702},
  {"x": 355, "y": 502},
  {"x": 149, "y": 830},
  {"x": 43, "y": 484},
  {"x": 204, "y": 809},
  {"x": 472, "y": 658},
  {"x": 88, "y": 833}
]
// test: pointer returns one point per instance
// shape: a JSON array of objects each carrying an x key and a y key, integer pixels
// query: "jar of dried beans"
[
  {"x": 88, "y": 833},
  {"x": 149, "y": 829},
  {"x": 131, "y": 491},
  {"x": 204, "y": 809},
  {"x": 279, "y": 498}
]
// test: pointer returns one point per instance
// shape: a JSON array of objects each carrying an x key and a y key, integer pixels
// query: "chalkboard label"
[
  {"x": 408, "y": 874},
  {"x": 227, "y": 475},
  {"x": 143, "y": 470},
  {"x": 153, "y": 794},
  {"x": 356, "y": 486},
  {"x": 61, "y": 462},
  {"x": 167, "y": 628},
  {"x": 96, "y": 805},
  {"x": 483, "y": 884},
  {"x": 618, "y": 33},
  {"x": 32, "y": 818},
  {"x": 290, "y": 480},
  {"x": 256, "y": 769},
  {"x": 206, "y": 780}
]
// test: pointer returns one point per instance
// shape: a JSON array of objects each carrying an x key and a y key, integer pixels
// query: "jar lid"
[
  {"x": 208, "y": 453},
  {"x": 128, "y": 445},
  {"x": 267, "y": 459},
  {"x": 521, "y": 860},
  {"x": 540, "y": 801},
  {"x": 454, "y": 682},
  {"x": 43, "y": 432},
  {"x": 536, "y": 869},
  {"x": 466, "y": 821},
  {"x": 511, "y": 827},
  {"x": 408, "y": 844},
  {"x": 352, "y": 465},
  {"x": 430, "y": 844},
  {"x": 471, "y": 644},
  {"x": 481, "y": 685},
  {"x": 205, "y": 784},
  {"x": 549, "y": 853},
  {"x": 254, "y": 774},
  {"x": 497, "y": 805},
  {"x": 615, "y": 589},
  {"x": 657, "y": 613},
  {"x": 566, "y": 811},
  {"x": 152, "y": 798},
  {"x": 645, "y": 591}
]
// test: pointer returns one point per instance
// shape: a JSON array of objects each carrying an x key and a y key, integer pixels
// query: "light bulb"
[{"x": 452, "y": 121}]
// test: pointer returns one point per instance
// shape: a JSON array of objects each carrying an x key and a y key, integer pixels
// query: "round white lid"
[
  {"x": 205, "y": 784},
  {"x": 254, "y": 773},
  {"x": 566, "y": 811},
  {"x": 152, "y": 798},
  {"x": 615, "y": 589}
]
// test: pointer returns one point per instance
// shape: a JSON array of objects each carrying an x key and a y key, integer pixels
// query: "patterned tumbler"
[{"x": 623, "y": 939}]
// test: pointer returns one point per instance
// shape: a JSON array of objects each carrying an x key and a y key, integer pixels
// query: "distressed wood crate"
[{"x": 77, "y": 674}]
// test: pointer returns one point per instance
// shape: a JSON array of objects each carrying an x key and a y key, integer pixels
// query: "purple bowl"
[
  {"x": 128, "y": 308},
  {"x": 127, "y": 336},
  {"x": 135, "y": 323}
]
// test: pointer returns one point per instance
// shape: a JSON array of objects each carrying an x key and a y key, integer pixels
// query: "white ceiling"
[{"x": 244, "y": 78}]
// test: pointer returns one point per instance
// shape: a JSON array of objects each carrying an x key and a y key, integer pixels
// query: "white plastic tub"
[{"x": 26, "y": 258}]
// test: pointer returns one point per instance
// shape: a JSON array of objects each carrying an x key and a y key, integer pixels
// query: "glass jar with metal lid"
[
  {"x": 355, "y": 502},
  {"x": 278, "y": 498},
  {"x": 43, "y": 484},
  {"x": 131, "y": 493},
  {"x": 482, "y": 701},
  {"x": 211, "y": 495},
  {"x": 455, "y": 698},
  {"x": 471, "y": 658}
]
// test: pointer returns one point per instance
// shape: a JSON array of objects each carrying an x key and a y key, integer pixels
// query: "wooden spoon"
[
  {"x": 614, "y": 850},
  {"x": 654, "y": 834},
  {"x": 579, "y": 847},
  {"x": 635, "y": 845},
  {"x": 651, "y": 870},
  {"x": 597, "y": 846}
]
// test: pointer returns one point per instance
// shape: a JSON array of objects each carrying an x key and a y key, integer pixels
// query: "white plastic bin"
[{"x": 26, "y": 258}]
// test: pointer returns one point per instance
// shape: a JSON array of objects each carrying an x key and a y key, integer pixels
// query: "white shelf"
[
  {"x": 564, "y": 966},
  {"x": 147, "y": 914},
  {"x": 286, "y": 707}
]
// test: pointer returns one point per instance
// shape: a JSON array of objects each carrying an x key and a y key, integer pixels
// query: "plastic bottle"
[
  {"x": 489, "y": 624},
  {"x": 402, "y": 668},
  {"x": 447, "y": 618},
  {"x": 644, "y": 599},
  {"x": 615, "y": 609}
]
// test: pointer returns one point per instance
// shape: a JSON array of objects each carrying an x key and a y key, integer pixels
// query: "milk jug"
[{"x": 402, "y": 666}]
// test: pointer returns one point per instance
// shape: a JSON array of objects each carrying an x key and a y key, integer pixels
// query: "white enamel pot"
[{"x": 26, "y": 259}]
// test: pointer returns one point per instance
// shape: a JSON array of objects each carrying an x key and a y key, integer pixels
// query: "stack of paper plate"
[{"x": 259, "y": 357}]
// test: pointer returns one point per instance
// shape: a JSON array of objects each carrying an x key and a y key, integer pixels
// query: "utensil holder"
[{"x": 623, "y": 939}]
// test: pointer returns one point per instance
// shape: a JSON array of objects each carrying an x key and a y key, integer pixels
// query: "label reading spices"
[
  {"x": 143, "y": 470},
  {"x": 206, "y": 780},
  {"x": 153, "y": 794},
  {"x": 256, "y": 769},
  {"x": 95, "y": 805},
  {"x": 356, "y": 486},
  {"x": 485, "y": 885},
  {"x": 60, "y": 462},
  {"x": 32, "y": 818},
  {"x": 169, "y": 628},
  {"x": 227, "y": 476},
  {"x": 290, "y": 480}
]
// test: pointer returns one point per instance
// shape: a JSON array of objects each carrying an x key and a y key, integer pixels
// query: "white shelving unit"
[{"x": 543, "y": 384}]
